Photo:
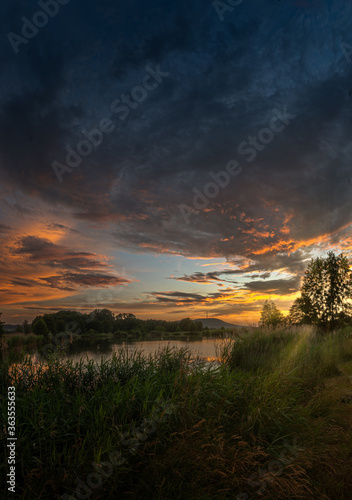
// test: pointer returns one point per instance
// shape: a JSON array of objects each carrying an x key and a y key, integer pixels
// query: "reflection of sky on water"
[
  {"x": 204, "y": 348},
  {"x": 207, "y": 349}
]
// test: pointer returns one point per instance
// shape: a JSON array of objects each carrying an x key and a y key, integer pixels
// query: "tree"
[
  {"x": 160, "y": 328},
  {"x": 107, "y": 326},
  {"x": 50, "y": 322},
  {"x": 270, "y": 315},
  {"x": 300, "y": 312},
  {"x": 326, "y": 291},
  {"x": 2, "y": 331},
  {"x": 26, "y": 327},
  {"x": 198, "y": 325},
  {"x": 61, "y": 325},
  {"x": 40, "y": 328},
  {"x": 187, "y": 325}
]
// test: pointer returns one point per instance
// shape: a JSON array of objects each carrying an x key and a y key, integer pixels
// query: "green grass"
[{"x": 269, "y": 422}]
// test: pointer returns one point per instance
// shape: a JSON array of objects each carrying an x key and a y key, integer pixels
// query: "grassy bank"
[
  {"x": 14, "y": 348},
  {"x": 273, "y": 421}
]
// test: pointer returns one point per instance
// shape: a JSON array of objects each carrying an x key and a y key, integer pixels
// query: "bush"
[
  {"x": 92, "y": 332},
  {"x": 40, "y": 328}
]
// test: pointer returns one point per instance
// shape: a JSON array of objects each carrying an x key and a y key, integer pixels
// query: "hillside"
[
  {"x": 10, "y": 328},
  {"x": 216, "y": 323}
]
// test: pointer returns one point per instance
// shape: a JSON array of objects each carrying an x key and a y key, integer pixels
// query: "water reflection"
[
  {"x": 207, "y": 349},
  {"x": 26, "y": 372},
  {"x": 204, "y": 348}
]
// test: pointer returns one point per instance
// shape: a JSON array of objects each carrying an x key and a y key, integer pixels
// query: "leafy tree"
[
  {"x": 160, "y": 328},
  {"x": 270, "y": 315},
  {"x": 19, "y": 329},
  {"x": 104, "y": 314},
  {"x": 50, "y": 322},
  {"x": 127, "y": 321},
  {"x": 71, "y": 321},
  {"x": 61, "y": 325},
  {"x": 107, "y": 326},
  {"x": 40, "y": 327},
  {"x": 35, "y": 321},
  {"x": 96, "y": 325},
  {"x": 327, "y": 290},
  {"x": 26, "y": 327},
  {"x": 2, "y": 331},
  {"x": 300, "y": 312},
  {"x": 198, "y": 326},
  {"x": 187, "y": 325}
]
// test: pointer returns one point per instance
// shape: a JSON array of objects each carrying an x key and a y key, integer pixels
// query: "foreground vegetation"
[{"x": 272, "y": 421}]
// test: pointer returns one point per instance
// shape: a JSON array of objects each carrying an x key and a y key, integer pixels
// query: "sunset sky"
[{"x": 179, "y": 92}]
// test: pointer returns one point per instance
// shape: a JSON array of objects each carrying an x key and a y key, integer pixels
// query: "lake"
[{"x": 206, "y": 348}]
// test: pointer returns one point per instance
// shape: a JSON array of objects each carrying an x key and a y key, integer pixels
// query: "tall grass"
[
  {"x": 15, "y": 348},
  {"x": 227, "y": 431}
]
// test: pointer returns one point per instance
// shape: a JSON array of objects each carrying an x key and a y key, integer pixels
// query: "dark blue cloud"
[{"x": 225, "y": 78}]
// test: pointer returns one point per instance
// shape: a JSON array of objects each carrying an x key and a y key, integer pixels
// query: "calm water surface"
[{"x": 205, "y": 348}]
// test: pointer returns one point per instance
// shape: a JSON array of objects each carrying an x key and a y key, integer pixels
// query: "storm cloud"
[{"x": 122, "y": 203}]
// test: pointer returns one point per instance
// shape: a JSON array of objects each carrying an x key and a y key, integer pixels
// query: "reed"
[{"x": 269, "y": 420}]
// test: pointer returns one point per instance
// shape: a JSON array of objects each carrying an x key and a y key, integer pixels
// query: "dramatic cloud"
[
  {"x": 200, "y": 277},
  {"x": 41, "y": 249},
  {"x": 80, "y": 279},
  {"x": 267, "y": 89},
  {"x": 275, "y": 286},
  {"x": 177, "y": 297},
  {"x": 4, "y": 228}
]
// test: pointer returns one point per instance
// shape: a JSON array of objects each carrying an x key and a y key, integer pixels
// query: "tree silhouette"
[
  {"x": 301, "y": 312},
  {"x": 40, "y": 328},
  {"x": 26, "y": 327},
  {"x": 2, "y": 331},
  {"x": 270, "y": 316},
  {"x": 326, "y": 291}
]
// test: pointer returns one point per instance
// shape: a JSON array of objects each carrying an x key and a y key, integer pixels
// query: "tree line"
[
  {"x": 104, "y": 321},
  {"x": 326, "y": 297}
]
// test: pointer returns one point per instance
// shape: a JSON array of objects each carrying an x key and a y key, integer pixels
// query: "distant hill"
[
  {"x": 216, "y": 323},
  {"x": 10, "y": 328}
]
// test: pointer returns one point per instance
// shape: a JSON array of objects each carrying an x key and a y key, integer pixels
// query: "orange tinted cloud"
[{"x": 37, "y": 268}]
